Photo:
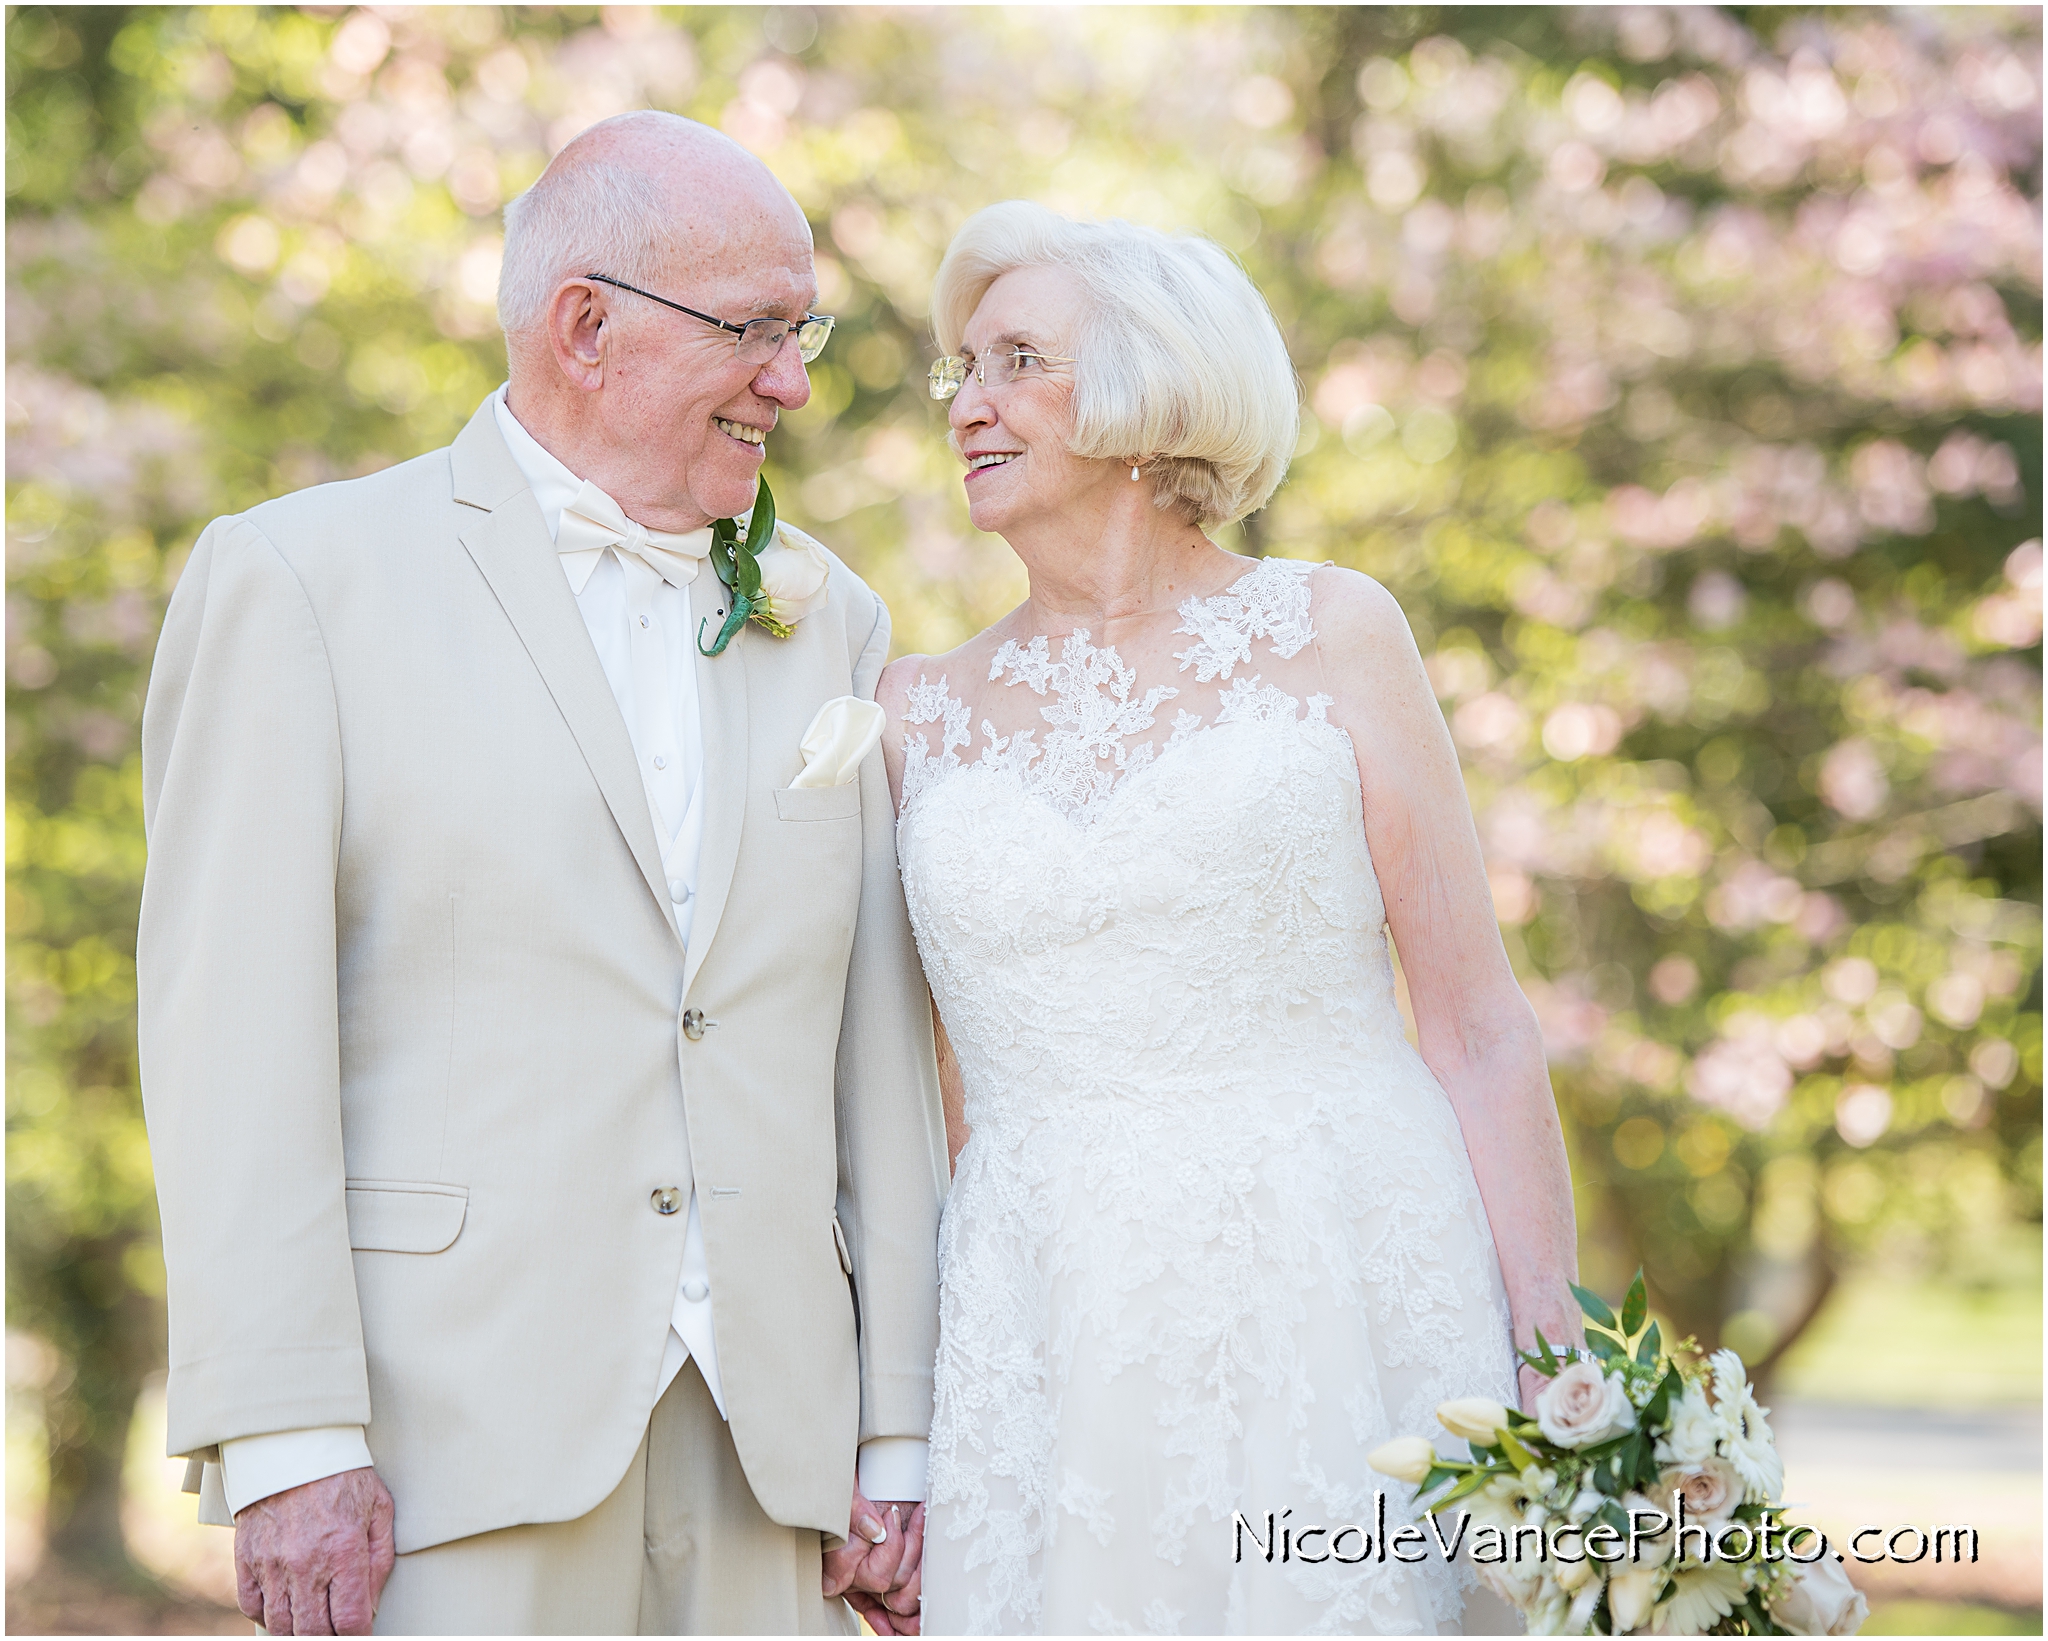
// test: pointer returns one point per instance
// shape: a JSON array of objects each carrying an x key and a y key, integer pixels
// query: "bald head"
[
  {"x": 662, "y": 410},
  {"x": 644, "y": 197}
]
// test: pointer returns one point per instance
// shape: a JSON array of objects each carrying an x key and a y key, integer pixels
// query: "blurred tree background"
[{"x": 1678, "y": 369}]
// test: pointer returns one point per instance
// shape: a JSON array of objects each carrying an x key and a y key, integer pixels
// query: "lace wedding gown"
[{"x": 1215, "y": 1235}]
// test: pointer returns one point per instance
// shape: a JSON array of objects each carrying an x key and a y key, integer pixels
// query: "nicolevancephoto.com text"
[{"x": 1651, "y": 1536}]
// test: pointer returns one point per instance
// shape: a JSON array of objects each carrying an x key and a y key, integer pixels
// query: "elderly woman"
[{"x": 1216, "y": 1230}]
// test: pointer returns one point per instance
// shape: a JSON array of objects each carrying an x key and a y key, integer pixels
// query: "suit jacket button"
[
  {"x": 696, "y": 1292},
  {"x": 667, "y": 1200}
]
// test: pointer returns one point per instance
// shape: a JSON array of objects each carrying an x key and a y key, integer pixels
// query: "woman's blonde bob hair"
[{"x": 1180, "y": 367}]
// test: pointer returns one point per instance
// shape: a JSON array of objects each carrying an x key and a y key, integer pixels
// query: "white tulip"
[
  {"x": 1631, "y": 1595},
  {"x": 1405, "y": 1458},
  {"x": 1472, "y": 1418},
  {"x": 1571, "y": 1574}
]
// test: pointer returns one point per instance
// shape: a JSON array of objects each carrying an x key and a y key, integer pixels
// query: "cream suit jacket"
[{"x": 411, "y": 1001}]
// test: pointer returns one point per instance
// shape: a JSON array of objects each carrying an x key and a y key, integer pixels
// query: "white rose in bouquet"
[
  {"x": 1582, "y": 1406},
  {"x": 1693, "y": 1430},
  {"x": 1711, "y": 1490},
  {"x": 794, "y": 573},
  {"x": 1821, "y": 1601}
]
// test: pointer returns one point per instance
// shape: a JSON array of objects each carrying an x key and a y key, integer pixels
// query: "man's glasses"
[
  {"x": 999, "y": 367},
  {"x": 760, "y": 340}
]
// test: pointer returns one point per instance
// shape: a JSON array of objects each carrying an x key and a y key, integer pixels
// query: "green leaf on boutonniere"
[
  {"x": 1653, "y": 1342},
  {"x": 737, "y": 565}
]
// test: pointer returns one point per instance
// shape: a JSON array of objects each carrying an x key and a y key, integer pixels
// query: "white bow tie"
[{"x": 594, "y": 522}]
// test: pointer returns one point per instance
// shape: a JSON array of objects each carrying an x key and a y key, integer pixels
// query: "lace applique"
[
  {"x": 1271, "y": 602},
  {"x": 1091, "y": 713},
  {"x": 1095, "y": 716},
  {"x": 924, "y": 704}
]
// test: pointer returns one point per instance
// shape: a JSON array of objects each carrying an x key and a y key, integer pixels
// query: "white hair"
[
  {"x": 590, "y": 216},
  {"x": 1180, "y": 364}
]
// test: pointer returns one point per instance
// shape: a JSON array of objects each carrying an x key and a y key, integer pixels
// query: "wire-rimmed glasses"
[
  {"x": 760, "y": 340},
  {"x": 999, "y": 367}
]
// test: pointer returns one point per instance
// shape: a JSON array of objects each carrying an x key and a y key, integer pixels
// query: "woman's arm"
[
  {"x": 950, "y": 1095},
  {"x": 1477, "y": 1032},
  {"x": 891, "y": 692}
]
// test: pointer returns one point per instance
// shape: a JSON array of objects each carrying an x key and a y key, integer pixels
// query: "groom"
[{"x": 537, "y": 1063}]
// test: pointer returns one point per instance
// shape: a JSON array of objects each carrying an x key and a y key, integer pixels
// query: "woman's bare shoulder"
[
  {"x": 1371, "y": 665},
  {"x": 1351, "y": 610},
  {"x": 958, "y": 666}
]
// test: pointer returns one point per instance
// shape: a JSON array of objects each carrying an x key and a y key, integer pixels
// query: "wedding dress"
[{"x": 1214, "y": 1236}]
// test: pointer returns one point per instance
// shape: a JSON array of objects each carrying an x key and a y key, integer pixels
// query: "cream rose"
[
  {"x": 1472, "y": 1418},
  {"x": 1821, "y": 1601},
  {"x": 1711, "y": 1490},
  {"x": 794, "y": 573},
  {"x": 1582, "y": 1406},
  {"x": 1405, "y": 1458}
]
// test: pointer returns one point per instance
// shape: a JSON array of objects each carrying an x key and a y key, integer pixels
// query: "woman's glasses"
[
  {"x": 760, "y": 340},
  {"x": 999, "y": 367}
]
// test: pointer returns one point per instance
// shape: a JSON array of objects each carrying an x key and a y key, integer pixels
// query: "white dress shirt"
[{"x": 640, "y": 626}]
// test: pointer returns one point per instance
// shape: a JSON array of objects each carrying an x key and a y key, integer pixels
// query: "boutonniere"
[{"x": 774, "y": 578}]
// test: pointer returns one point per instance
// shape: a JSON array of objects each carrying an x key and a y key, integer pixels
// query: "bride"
[{"x": 1216, "y": 1231}]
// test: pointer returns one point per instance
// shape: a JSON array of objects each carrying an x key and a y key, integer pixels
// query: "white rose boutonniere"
[
  {"x": 1582, "y": 1406},
  {"x": 794, "y": 573},
  {"x": 773, "y": 575}
]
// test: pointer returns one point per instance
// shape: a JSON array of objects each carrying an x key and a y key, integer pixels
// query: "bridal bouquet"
[{"x": 1643, "y": 1497}]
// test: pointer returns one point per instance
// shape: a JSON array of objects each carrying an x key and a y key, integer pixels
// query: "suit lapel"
[
  {"x": 509, "y": 543},
  {"x": 722, "y": 714}
]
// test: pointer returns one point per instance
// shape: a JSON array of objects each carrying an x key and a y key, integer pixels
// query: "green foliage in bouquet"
[{"x": 1634, "y": 1439}]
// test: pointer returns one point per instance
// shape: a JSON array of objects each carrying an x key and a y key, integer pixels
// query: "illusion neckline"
[{"x": 1193, "y": 600}]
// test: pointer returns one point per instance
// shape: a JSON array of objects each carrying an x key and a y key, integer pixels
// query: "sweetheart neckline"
[{"x": 1125, "y": 778}]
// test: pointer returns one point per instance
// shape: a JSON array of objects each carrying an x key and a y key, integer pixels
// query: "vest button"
[
  {"x": 696, "y": 1292},
  {"x": 667, "y": 1200}
]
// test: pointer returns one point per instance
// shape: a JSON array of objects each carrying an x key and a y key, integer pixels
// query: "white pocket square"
[{"x": 844, "y": 732}]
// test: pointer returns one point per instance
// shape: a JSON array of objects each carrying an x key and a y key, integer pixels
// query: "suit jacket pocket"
[
  {"x": 818, "y": 803},
  {"x": 404, "y": 1216}
]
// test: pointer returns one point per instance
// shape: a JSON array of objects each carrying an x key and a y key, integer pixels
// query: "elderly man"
[{"x": 537, "y": 1063}]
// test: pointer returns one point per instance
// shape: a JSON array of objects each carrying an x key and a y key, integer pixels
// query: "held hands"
[
  {"x": 879, "y": 1569},
  {"x": 312, "y": 1560}
]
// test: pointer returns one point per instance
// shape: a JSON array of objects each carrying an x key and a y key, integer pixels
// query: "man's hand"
[
  {"x": 312, "y": 1560},
  {"x": 879, "y": 1569}
]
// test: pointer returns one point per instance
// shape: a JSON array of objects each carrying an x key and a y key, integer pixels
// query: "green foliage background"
[{"x": 1679, "y": 371}]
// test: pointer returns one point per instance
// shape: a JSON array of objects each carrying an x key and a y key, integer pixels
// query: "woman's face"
[{"x": 1014, "y": 438}]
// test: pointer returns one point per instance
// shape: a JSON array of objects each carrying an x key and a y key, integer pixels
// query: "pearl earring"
[{"x": 1134, "y": 472}]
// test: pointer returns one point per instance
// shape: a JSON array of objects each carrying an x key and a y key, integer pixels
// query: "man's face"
[{"x": 678, "y": 401}]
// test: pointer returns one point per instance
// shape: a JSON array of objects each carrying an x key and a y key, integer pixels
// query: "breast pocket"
[{"x": 818, "y": 803}]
